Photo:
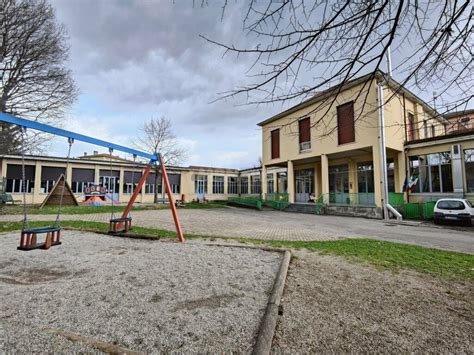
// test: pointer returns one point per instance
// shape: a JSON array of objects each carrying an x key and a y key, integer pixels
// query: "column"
[
  {"x": 121, "y": 181},
  {"x": 400, "y": 172},
  {"x": 69, "y": 175},
  {"x": 96, "y": 175},
  {"x": 263, "y": 184},
  {"x": 325, "y": 177},
  {"x": 226, "y": 185},
  {"x": 291, "y": 182},
  {"x": 36, "y": 198}
]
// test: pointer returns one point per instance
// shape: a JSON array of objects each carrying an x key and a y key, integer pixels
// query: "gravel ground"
[
  {"x": 332, "y": 306},
  {"x": 140, "y": 295}
]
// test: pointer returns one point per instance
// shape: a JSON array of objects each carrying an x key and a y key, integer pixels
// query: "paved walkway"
[{"x": 266, "y": 225}]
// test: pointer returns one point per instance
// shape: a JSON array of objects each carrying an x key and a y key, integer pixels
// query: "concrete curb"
[{"x": 267, "y": 327}]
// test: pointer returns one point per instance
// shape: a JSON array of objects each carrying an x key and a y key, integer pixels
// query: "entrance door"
[
  {"x": 339, "y": 185},
  {"x": 304, "y": 184}
]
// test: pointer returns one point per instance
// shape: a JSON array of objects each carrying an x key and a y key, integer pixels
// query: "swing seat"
[
  {"x": 28, "y": 239},
  {"x": 120, "y": 225}
]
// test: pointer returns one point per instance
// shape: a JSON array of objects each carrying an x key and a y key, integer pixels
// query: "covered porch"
[{"x": 346, "y": 179}]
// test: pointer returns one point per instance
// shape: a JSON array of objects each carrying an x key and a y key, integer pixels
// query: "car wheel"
[{"x": 437, "y": 221}]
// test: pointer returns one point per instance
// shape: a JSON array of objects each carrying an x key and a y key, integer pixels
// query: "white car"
[{"x": 454, "y": 209}]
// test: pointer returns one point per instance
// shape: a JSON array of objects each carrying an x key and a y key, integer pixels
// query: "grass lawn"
[
  {"x": 18, "y": 209},
  {"x": 386, "y": 255}
]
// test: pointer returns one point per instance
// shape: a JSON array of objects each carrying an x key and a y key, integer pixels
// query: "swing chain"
[
  {"x": 70, "y": 142},
  {"x": 110, "y": 187},
  {"x": 133, "y": 178},
  {"x": 26, "y": 224}
]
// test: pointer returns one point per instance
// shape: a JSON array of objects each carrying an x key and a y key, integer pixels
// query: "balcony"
[{"x": 430, "y": 131}]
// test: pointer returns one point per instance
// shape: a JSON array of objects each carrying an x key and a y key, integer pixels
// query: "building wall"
[
  {"x": 324, "y": 140},
  {"x": 187, "y": 185}
]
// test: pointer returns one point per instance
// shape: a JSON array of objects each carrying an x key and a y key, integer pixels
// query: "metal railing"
[
  {"x": 429, "y": 129},
  {"x": 351, "y": 199},
  {"x": 252, "y": 201},
  {"x": 278, "y": 201}
]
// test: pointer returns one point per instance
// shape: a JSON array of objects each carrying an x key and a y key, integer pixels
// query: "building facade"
[
  {"x": 330, "y": 147},
  {"x": 119, "y": 177}
]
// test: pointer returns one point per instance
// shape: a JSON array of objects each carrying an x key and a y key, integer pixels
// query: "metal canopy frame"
[{"x": 154, "y": 159}]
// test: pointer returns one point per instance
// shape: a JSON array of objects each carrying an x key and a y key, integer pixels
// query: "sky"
[{"x": 134, "y": 60}]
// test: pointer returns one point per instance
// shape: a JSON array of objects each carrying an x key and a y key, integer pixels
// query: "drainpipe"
[{"x": 383, "y": 151}]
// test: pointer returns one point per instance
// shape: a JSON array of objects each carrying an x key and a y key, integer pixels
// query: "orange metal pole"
[
  {"x": 136, "y": 192},
  {"x": 179, "y": 230}
]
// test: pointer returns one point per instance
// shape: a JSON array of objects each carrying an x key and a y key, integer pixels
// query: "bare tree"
[
  {"x": 34, "y": 81},
  {"x": 303, "y": 47},
  {"x": 157, "y": 137}
]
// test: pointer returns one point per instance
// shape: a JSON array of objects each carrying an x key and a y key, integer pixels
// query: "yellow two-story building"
[{"x": 331, "y": 145}]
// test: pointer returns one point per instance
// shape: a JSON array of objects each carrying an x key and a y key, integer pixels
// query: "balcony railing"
[{"x": 433, "y": 130}]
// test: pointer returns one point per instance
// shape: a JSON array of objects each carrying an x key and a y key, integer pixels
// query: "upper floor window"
[
  {"x": 411, "y": 127},
  {"x": 275, "y": 143},
  {"x": 345, "y": 123},
  {"x": 304, "y": 129}
]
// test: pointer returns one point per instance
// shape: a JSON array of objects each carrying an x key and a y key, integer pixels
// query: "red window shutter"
[
  {"x": 304, "y": 130},
  {"x": 345, "y": 123},
  {"x": 275, "y": 137}
]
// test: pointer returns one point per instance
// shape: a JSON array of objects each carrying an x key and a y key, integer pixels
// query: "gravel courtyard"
[{"x": 95, "y": 291}]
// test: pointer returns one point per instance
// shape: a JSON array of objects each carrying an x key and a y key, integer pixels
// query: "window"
[
  {"x": 433, "y": 131},
  {"x": 232, "y": 185},
  {"x": 255, "y": 187},
  {"x": 130, "y": 181},
  {"x": 451, "y": 205},
  {"x": 390, "y": 175},
  {"x": 82, "y": 178},
  {"x": 175, "y": 183},
  {"x": 49, "y": 176},
  {"x": 282, "y": 183},
  {"x": 275, "y": 143},
  {"x": 244, "y": 185},
  {"x": 150, "y": 184},
  {"x": 304, "y": 129},
  {"x": 200, "y": 184},
  {"x": 464, "y": 124},
  {"x": 345, "y": 123},
  {"x": 411, "y": 127},
  {"x": 432, "y": 172},
  {"x": 217, "y": 184},
  {"x": 14, "y": 178},
  {"x": 270, "y": 184},
  {"x": 469, "y": 169}
]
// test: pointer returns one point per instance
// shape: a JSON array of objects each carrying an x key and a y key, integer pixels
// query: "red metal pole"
[
  {"x": 136, "y": 192},
  {"x": 179, "y": 230}
]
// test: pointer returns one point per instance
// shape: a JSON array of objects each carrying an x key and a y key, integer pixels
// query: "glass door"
[
  {"x": 339, "y": 185},
  {"x": 304, "y": 184}
]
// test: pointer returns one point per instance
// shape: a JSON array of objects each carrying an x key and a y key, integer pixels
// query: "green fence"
[
  {"x": 415, "y": 210},
  {"x": 396, "y": 198},
  {"x": 278, "y": 201},
  {"x": 251, "y": 201}
]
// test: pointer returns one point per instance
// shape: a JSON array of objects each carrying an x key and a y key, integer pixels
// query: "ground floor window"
[
  {"x": 200, "y": 184},
  {"x": 270, "y": 184},
  {"x": 175, "y": 183},
  {"x": 149, "y": 188},
  {"x": 130, "y": 181},
  {"x": 232, "y": 185},
  {"x": 244, "y": 185},
  {"x": 217, "y": 184},
  {"x": 49, "y": 176},
  {"x": 150, "y": 185},
  {"x": 469, "y": 169},
  {"x": 255, "y": 186},
  {"x": 431, "y": 172},
  {"x": 15, "y": 178},
  {"x": 78, "y": 187},
  {"x": 282, "y": 183},
  {"x": 82, "y": 178}
]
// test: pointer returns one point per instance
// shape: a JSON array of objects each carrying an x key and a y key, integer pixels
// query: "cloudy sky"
[{"x": 134, "y": 60}]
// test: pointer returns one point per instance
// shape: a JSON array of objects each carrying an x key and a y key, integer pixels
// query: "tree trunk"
[{"x": 155, "y": 197}]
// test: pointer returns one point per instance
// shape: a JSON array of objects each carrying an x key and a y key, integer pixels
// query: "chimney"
[
  {"x": 96, "y": 152},
  {"x": 85, "y": 154}
]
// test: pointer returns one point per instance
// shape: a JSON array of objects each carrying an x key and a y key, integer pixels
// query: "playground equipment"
[{"x": 118, "y": 225}]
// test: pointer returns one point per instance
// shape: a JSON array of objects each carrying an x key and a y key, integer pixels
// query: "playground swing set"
[{"x": 117, "y": 225}]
